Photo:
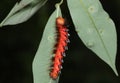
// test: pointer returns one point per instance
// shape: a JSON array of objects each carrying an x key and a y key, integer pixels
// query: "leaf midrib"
[{"x": 82, "y": 4}]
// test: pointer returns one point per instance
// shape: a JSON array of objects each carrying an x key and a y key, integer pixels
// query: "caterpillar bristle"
[
  {"x": 53, "y": 58},
  {"x": 62, "y": 61},
  {"x": 68, "y": 41},
  {"x": 61, "y": 67},
  {"x": 66, "y": 47},
  {"x": 63, "y": 54},
  {"x": 68, "y": 34}
]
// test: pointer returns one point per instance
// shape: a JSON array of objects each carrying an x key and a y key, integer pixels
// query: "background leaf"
[
  {"x": 22, "y": 11},
  {"x": 95, "y": 28},
  {"x": 42, "y": 60}
]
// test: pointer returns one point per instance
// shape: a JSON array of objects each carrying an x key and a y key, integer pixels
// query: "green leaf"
[
  {"x": 22, "y": 11},
  {"x": 43, "y": 58},
  {"x": 95, "y": 28}
]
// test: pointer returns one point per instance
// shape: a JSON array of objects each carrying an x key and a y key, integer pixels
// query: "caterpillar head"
[{"x": 60, "y": 21}]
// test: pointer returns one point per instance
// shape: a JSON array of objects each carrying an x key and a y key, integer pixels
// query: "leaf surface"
[
  {"x": 22, "y": 11},
  {"x": 43, "y": 58},
  {"x": 95, "y": 28}
]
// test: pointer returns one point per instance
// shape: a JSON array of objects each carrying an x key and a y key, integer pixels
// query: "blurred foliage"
[{"x": 19, "y": 43}]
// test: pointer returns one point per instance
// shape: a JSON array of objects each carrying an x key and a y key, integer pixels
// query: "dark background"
[{"x": 19, "y": 43}]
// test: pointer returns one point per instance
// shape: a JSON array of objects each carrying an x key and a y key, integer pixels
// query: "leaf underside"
[
  {"x": 22, "y": 11},
  {"x": 95, "y": 28},
  {"x": 43, "y": 58}
]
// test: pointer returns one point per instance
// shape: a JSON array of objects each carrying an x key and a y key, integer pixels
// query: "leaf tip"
[{"x": 115, "y": 70}]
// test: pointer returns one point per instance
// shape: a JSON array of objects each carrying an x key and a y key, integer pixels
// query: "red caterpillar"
[{"x": 60, "y": 47}]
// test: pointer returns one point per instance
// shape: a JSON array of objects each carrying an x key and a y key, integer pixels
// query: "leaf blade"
[
  {"x": 20, "y": 14},
  {"x": 92, "y": 28},
  {"x": 42, "y": 61}
]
